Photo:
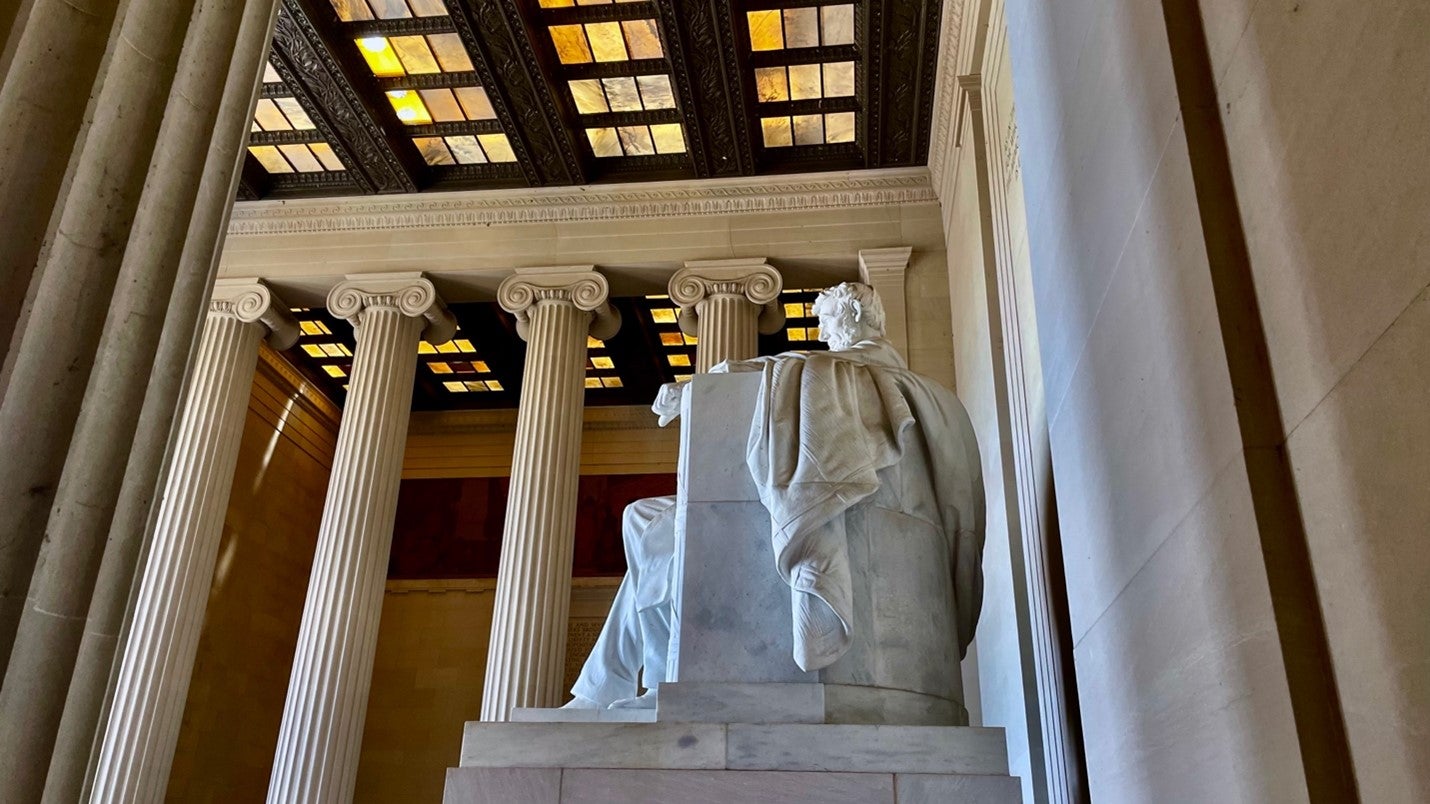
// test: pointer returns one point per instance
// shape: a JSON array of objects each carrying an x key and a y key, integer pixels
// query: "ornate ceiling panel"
[{"x": 396, "y": 96}]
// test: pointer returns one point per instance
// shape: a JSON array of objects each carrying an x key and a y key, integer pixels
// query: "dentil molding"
[{"x": 862, "y": 188}]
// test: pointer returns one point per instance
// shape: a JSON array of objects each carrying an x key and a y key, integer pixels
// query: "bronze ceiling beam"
[
  {"x": 326, "y": 77},
  {"x": 497, "y": 39},
  {"x": 899, "y": 40},
  {"x": 703, "y": 48}
]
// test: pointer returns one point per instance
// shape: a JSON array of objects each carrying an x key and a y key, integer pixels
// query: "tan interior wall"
[
  {"x": 428, "y": 674},
  {"x": 235, "y": 703}
]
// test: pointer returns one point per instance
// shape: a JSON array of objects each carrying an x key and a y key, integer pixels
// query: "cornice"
[
  {"x": 866, "y": 188},
  {"x": 945, "y": 90}
]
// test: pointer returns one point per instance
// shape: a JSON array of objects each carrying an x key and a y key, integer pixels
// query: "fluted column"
[
  {"x": 555, "y": 310},
  {"x": 85, "y": 702},
  {"x": 158, "y": 658},
  {"x": 318, "y": 743},
  {"x": 726, "y": 305},
  {"x": 55, "y": 349}
]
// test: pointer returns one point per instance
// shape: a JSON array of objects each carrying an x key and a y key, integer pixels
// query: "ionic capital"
[
  {"x": 578, "y": 285},
  {"x": 410, "y": 294},
  {"x": 252, "y": 301},
  {"x": 752, "y": 278}
]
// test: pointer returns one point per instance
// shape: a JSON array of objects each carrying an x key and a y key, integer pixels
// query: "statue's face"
[{"x": 837, "y": 327}]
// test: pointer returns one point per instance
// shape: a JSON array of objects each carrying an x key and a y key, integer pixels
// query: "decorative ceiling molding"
[
  {"x": 864, "y": 188},
  {"x": 946, "y": 90}
]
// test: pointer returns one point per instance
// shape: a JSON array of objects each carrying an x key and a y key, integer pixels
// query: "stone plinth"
[{"x": 546, "y": 763}]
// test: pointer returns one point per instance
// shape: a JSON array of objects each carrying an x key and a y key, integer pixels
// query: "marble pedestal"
[
  {"x": 737, "y": 720},
  {"x": 628, "y": 763}
]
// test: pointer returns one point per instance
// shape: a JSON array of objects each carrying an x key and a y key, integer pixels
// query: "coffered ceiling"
[{"x": 399, "y": 96}]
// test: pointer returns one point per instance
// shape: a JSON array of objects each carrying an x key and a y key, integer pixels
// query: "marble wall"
[
  {"x": 1325, "y": 107},
  {"x": 235, "y": 703}
]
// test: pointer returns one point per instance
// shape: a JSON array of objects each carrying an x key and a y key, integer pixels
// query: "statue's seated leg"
[
  {"x": 610, "y": 671},
  {"x": 637, "y": 631}
]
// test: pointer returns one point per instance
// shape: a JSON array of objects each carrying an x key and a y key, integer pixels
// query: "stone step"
[
  {"x": 704, "y": 746},
  {"x": 541, "y": 715},
  {"x": 602, "y": 786}
]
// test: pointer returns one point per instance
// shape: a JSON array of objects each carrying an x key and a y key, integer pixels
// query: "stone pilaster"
[
  {"x": 158, "y": 657},
  {"x": 883, "y": 269},
  {"x": 319, "y": 741},
  {"x": 555, "y": 310},
  {"x": 726, "y": 305}
]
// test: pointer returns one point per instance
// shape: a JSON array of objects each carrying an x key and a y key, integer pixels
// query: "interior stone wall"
[
  {"x": 1180, "y": 672},
  {"x": 1325, "y": 107},
  {"x": 427, "y": 679},
  {"x": 235, "y": 703},
  {"x": 1001, "y": 681}
]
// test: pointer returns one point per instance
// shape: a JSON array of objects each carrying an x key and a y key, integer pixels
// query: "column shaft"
[
  {"x": 526, "y": 659},
  {"x": 57, "y": 49},
  {"x": 84, "y": 702},
  {"x": 726, "y": 330},
  {"x": 157, "y": 662},
  {"x": 56, "y": 348},
  {"x": 42, "y": 660},
  {"x": 319, "y": 742}
]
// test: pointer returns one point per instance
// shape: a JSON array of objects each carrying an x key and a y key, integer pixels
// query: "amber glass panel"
[
  {"x": 670, "y": 339},
  {"x": 771, "y": 84},
  {"x": 433, "y": 150},
  {"x": 416, "y": 56},
  {"x": 270, "y": 159},
  {"x": 839, "y": 127},
  {"x": 428, "y": 8},
  {"x": 409, "y": 106},
  {"x": 808, "y": 129},
  {"x": 571, "y": 45},
  {"x": 589, "y": 97},
  {"x": 380, "y": 56},
  {"x": 607, "y": 43},
  {"x": 766, "y": 30},
  {"x": 804, "y": 83},
  {"x": 556, "y": 3},
  {"x": 839, "y": 79},
  {"x": 776, "y": 131},
  {"x": 602, "y": 363},
  {"x": 475, "y": 103},
  {"x": 678, "y": 360},
  {"x": 603, "y": 141},
  {"x": 656, "y": 92},
  {"x": 466, "y": 151},
  {"x": 295, "y": 113},
  {"x": 389, "y": 9},
  {"x": 669, "y": 138},
  {"x": 801, "y": 27},
  {"x": 325, "y": 154},
  {"x": 611, "y": 382},
  {"x": 269, "y": 117},
  {"x": 301, "y": 158},
  {"x": 593, "y": 382},
  {"x": 451, "y": 53},
  {"x": 270, "y": 75},
  {"x": 498, "y": 147},
  {"x": 352, "y": 10},
  {"x": 636, "y": 140},
  {"x": 442, "y": 105},
  {"x": 643, "y": 39},
  {"x": 621, "y": 92},
  {"x": 663, "y": 315},
  {"x": 837, "y": 24}
]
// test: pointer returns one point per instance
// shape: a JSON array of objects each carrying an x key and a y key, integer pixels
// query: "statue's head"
[{"x": 849, "y": 313}]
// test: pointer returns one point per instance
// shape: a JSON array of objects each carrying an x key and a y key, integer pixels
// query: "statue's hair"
[{"x": 857, "y": 298}]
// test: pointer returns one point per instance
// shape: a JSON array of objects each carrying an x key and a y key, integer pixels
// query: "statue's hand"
[{"x": 667, "y": 402}]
